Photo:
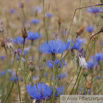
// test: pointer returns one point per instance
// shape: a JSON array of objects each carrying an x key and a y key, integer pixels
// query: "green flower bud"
[
  {"x": 44, "y": 58},
  {"x": 85, "y": 72},
  {"x": 31, "y": 67}
]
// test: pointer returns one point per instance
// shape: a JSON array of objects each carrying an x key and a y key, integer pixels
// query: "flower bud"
[
  {"x": 44, "y": 58},
  {"x": 85, "y": 72},
  {"x": 80, "y": 30},
  {"x": 24, "y": 33},
  {"x": 2, "y": 43},
  {"x": 31, "y": 66},
  {"x": 59, "y": 21},
  {"x": 22, "y": 5},
  {"x": 88, "y": 85}
]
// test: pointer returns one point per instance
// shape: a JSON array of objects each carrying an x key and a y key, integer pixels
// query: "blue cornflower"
[
  {"x": 12, "y": 11},
  {"x": 33, "y": 36},
  {"x": 59, "y": 91},
  {"x": 41, "y": 91},
  {"x": 61, "y": 76},
  {"x": 98, "y": 57},
  {"x": 35, "y": 21},
  {"x": 2, "y": 57},
  {"x": 53, "y": 46},
  {"x": 75, "y": 45},
  {"x": 90, "y": 64},
  {"x": 35, "y": 78},
  {"x": 18, "y": 40},
  {"x": 2, "y": 73},
  {"x": 93, "y": 10},
  {"x": 98, "y": 77},
  {"x": 12, "y": 79},
  {"x": 48, "y": 15},
  {"x": 56, "y": 63},
  {"x": 26, "y": 50},
  {"x": 101, "y": 42},
  {"x": 37, "y": 9},
  {"x": 90, "y": 29},
  {"x": 11, "y": 72}
]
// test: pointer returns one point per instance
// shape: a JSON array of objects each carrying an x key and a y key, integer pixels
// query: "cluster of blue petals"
[
  {"x": 75, "y": 45},
  {"x": 41, "y": 91},
  {"x": 33, "y": 36},
  {"x": 53, "y": 46},
  {"x": 56, "y": 63}
]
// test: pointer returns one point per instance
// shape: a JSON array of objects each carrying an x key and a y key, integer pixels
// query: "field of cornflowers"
[{"x": 50, "y": 48}]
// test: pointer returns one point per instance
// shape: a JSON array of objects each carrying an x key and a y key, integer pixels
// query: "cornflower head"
[
  {"x": 90, "y": 64},
  {"x": 17, "y": 54},
  {"x": 19, "y": 40},
  {"x": 33, "y": 36},
  {"x": 35, "y": 78},
  {"x": 12, "y": 73},
  {"x": 93, "y": 10},
  {"x": 81, "y": 57},
  {"x": 98, "y": 57},
  {"x": 56, "y": 63},
  {"x": 35, "y": 21},
  {"x": 12, "y": 11},
  {"x": 2, "y": 57},
  {"x": 61, "y": 76},
  {"x": 39, "y": 92},
  {"x": 75, "y": 45},
  {"x": 59, "y": 91},
  {"x": 13, "y": 78},
  {"x": 2, "y": 73},
  {"x": 37, "y": 9},
  {"x": 48, "y": 15},
  {"x": 53, "y": 47},
  {"x": 8, "y": 43},
  {"x": 90, "y": 29}
]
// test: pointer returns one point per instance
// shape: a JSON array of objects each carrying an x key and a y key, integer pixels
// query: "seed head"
[
  {"x": 88, "y": 85},
  {"x": 80, "y": 30},
  {"x": 24, "y": 33},
  {"x": 2, "y": 43}
]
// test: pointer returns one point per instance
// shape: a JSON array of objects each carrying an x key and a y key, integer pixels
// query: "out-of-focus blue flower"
[
  {"x": 35, "y": 21},
  {"x": 33, "y": 36},
  {"x": 75, "y": 45},
  {"x": 56, "y": 63},
  {"x": 37, "y": 9},
  {"x": 12, "y": 79},
  {"x": 90, "y": 29},
  {"x": 2, "y": 73},
  {"x": 26, "y": 50},
  {"x": 11, "y": 72},
  {"x": 18, "y": 40},
  {"x": 48, "y": 15},
  {"x": 59, "y": 91},
  {"x": 2, "y": 57},
  {"x": 53, "y": 46},
  {"x": 101, "y": 42},
  {"x": 98, "y": 57},
  {"x": 93, "y": 10},
  {"x": 35, "y": 78},
  {"x": 12, "y": 11},
  {"x": 41, "y": 91},
  {"x": 90, "y": 64},
  {"x": 61, "y": 76},
  {"x": 98, "y": 77}
]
